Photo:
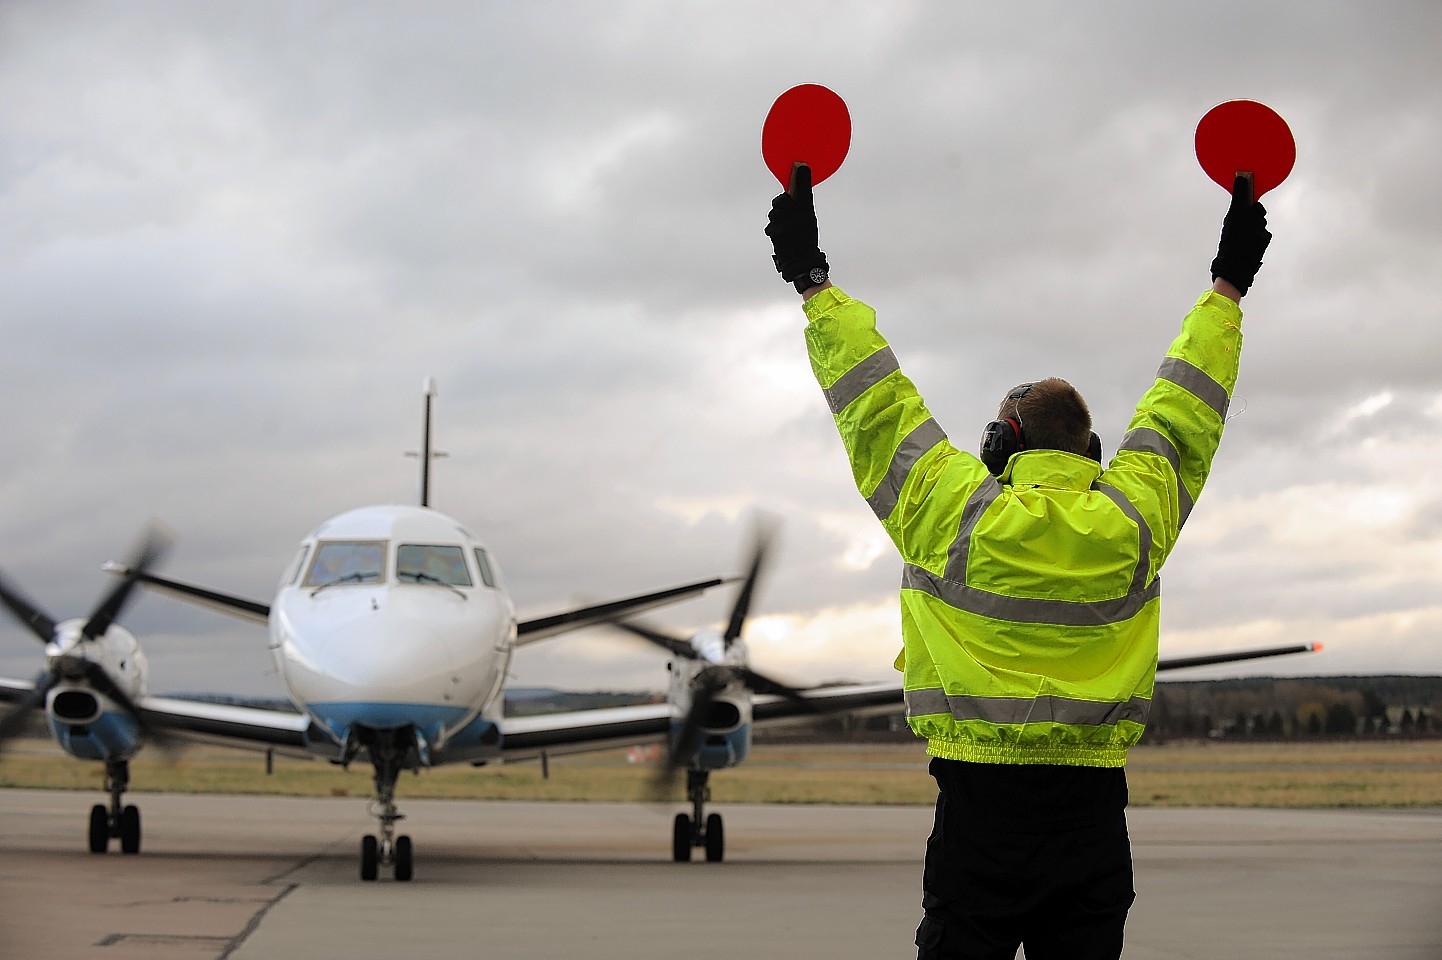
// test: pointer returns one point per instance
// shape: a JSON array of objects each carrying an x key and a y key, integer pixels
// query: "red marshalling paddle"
[
  {"x": 807, "y": 124},
  {"x": 1245, "y": 137}
]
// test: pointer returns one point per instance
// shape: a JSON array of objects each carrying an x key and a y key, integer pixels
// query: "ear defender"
[
  {"x": 1094, "y": 447},
  {"x": 1001, "y": 438}
]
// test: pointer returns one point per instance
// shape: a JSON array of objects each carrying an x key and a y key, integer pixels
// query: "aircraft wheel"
[
  {"x": 99, "y": 829},
  {"x": 681, "y": 839},
  {"x": 715, "y": 839},
  {"x": 370, "y": 856},
  {"x": 404, "y": 862},
  {"x": 130, "y": 829}
]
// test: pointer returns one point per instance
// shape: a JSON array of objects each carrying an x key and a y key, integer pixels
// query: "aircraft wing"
[
  {"x": 13, "y": 691},
  {"x": 199, "y": 721},
  {"x": 580, "y": 731},
  {"x": 857, "y": 699},
  {"x": 227, "y": 725},
  {"x": 1178, "y": 663},
  {"x": 252, "y": 610},
  {"x": 539, "y": 628}
]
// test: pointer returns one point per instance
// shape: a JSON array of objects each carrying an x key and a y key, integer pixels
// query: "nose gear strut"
[
  {"x": 391, "y": 751},
  {"x": 120, "y": 820}
]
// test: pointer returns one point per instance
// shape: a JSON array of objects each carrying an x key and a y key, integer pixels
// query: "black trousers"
[{"x": 1011, "y": 862}]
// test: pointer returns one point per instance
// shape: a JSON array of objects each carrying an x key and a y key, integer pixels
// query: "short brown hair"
[{"x": 1053, "y": 416}]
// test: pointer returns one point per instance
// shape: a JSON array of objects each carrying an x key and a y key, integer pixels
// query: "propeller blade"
[
  {"x": 36, "y": 620},
  {"x": 155, "y": 545},
  {"x": 760, "y": 683},
  {"x": 13, "y": 722},
  {"x": 764, "y": 535},
  {"x": 96, "y": 676},
  {"x": 676, "y": 645},
  {"x": 690, "y": 736}
]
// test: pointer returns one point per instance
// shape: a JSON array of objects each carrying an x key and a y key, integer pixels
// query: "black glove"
[
  {"x": 792, "y": 229},
  {"x": 1244, "y": 238}
]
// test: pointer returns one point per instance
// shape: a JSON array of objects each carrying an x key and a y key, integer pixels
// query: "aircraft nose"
[{"x": 370, "y": 659}]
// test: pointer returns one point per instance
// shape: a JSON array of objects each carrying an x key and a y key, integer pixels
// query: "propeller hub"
[
  {"x": 709, "y": 646},
  {"x": 68, "y": 664}
]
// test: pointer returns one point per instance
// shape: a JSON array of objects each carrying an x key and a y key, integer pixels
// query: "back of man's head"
[{"x": 1052, "y": 415}]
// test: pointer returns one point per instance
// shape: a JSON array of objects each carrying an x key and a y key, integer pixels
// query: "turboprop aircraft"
[{"x": 391, "y": 633}]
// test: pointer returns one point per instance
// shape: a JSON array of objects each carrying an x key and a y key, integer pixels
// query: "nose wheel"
[
  {"x": 685, "y": 836},
  {"x": 119, "y": 820},
  {"x": 397, "y": 854},
  {"x": 687, "y": 832}
]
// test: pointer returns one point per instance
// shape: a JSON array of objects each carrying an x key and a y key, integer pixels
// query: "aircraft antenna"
[{"x": 426, "y": 455}]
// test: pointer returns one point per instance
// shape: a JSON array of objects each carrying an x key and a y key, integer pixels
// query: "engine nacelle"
[{"x": 74, "y": 705}]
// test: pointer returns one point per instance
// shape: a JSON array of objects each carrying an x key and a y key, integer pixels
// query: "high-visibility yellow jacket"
[{"x": 1029, "y": 601}]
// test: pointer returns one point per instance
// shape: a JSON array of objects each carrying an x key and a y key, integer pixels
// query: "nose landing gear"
[
  {"x": 389, "y": 850},
  {"x": 120, "y": 820},
  {"x": 687, "y": 831}
]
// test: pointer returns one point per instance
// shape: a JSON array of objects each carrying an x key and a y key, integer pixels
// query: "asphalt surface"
[{"x": 275, "y": 878}]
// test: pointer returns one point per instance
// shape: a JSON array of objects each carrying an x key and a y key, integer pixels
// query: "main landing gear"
[
  {"x": 388, "y": 850},
  {"x": 119, "y": 820},
  {"x": 687, "y": 832}
]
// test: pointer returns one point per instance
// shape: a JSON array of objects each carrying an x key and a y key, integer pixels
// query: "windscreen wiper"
[
  {"x": 357, "y": 577},
  {"x": 423, "y": 577}
]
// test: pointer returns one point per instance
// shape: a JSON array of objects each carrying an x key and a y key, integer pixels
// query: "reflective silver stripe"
[
  {"x": 1144, "y": 532},
  {"x": 1018, "y": 710},
  {"x": 1197, "y": 382},
  {"x": 1067, "y": 613},
  {"x": 976, "y": 505},
  {"x": 884, "y": 498},
  {"x": 860, "y": 378},
  {"x": 1147, "y": 440}
]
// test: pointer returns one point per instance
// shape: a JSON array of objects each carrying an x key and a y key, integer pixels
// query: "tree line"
[{"x": 1288, "y": 707}]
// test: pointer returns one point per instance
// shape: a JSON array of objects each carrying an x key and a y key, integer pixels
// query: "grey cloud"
[{"x": 233, "y": 240}]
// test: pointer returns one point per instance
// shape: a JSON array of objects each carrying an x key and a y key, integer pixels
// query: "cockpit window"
[
  {"x": 488, "y": 577},
  {"x": 347, "y": 562},
  {"x": 429, "y": 563}
]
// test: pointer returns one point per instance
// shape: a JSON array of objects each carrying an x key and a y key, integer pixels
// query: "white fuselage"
[{"x": 391, "y": 617}]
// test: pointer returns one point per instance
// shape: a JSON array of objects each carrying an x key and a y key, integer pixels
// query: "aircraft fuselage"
[{"x": 392, "y": 617}]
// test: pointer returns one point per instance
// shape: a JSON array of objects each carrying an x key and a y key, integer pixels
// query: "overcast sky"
[{"x": 236, "y": 238}]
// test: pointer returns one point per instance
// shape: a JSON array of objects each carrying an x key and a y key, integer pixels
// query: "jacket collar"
[{"x": 1050, "y": 468}]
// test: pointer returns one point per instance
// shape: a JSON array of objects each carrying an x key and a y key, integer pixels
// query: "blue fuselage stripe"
[
  {"x": 718, "y": 751},
  {"x": 111, "y": 736}
]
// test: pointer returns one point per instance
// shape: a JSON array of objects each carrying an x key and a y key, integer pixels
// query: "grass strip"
[{"x": 1395, "y": 773}]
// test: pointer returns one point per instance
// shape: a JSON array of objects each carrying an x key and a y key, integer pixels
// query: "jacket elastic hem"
[{"x": 1070, "y": 756}]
